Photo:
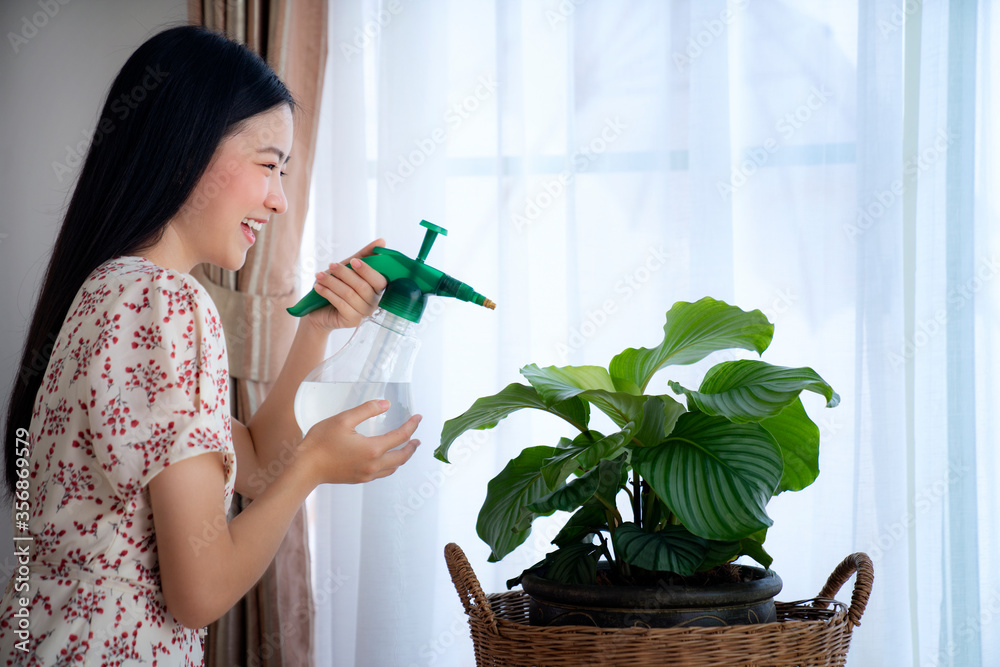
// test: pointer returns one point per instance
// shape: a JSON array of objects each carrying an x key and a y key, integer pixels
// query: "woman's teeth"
[{"x": 253, "y": 224}]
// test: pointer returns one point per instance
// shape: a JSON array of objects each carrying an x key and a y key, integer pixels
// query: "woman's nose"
[{"x": 275, "y": 199}]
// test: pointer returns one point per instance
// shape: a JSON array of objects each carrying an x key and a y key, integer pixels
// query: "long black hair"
[{"x": 173, "y": 102}]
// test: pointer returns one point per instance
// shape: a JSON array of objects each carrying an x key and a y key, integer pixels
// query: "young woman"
[{"x": 121, "y": 454}]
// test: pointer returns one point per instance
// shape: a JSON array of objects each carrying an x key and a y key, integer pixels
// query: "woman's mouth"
[{"x": 250, "y": 226}]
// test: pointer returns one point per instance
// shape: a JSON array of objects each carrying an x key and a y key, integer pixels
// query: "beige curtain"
[{"x": 272, "y": 626}]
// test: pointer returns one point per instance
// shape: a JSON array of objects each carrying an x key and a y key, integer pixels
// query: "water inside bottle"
[{"x": 316, "y": 401}]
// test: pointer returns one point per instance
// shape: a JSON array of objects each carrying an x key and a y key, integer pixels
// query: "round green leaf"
[
  {"x": 716, "y": 476},
  {"x": 750, "y": 390},
  {"x": 691, "y": 333},
  {"x": 673, "y": 549}
]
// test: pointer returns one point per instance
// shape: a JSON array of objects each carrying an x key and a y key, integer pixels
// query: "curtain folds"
[
  {"x": 832, "y": 164},
  {"x": 272, "y": 626}
]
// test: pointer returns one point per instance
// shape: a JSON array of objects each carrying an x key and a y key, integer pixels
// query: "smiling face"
[{"x": 241, "y": 185}]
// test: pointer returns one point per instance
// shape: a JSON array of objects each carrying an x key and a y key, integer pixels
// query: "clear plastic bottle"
[{"x": 376, "y": 363}]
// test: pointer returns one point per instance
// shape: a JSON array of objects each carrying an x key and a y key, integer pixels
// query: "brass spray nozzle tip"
[{"x": 489, "y": 304}]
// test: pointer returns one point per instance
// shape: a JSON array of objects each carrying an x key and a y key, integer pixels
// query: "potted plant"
[{"x": 696, "y": 473}]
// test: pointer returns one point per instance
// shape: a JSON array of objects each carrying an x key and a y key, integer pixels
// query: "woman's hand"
[
  {"x": 353, "y": 295},
  {"x": 337, "y": 454}
]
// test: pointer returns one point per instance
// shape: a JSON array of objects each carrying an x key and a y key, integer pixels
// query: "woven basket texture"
[{"x": 809, "y": 633}]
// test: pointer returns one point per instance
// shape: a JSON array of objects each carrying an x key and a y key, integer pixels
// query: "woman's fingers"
[
  {"x": 358, "y": 289},
  {"x": 349, "y": 457},
  {"x": 344, "y": 297},
  {"x": 398, "y": 436},
  {"x": 393, "y": 459},
  {"x": 327, "y": 288},
  {"x": 354, "y": 416},
  {"x": 367, "y": 250},
  {"x": 375, "y": 280}
]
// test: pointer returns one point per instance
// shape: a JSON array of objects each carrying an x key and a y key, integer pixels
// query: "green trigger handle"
[{"x": 410, "y": 282}]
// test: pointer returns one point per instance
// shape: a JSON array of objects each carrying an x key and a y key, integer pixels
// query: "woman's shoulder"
[
  {"x": 135, "y": 287},
  {"x": 133, "y": 269},
  {"x": 128, "y": 276}
]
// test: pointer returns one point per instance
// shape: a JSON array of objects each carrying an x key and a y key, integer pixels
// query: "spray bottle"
[{"x": 377, "y": 361}]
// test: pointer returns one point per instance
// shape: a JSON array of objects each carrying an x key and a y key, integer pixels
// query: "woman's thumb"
[{"x": 366, "y": 410}]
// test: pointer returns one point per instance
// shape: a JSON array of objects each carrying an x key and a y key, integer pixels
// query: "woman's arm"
[
  {"x": 207, "y": 565},
  {"x": 272, "y": 433}
]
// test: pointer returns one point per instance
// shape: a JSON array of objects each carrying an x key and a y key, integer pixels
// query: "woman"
[{"x": 128, "y": 458}]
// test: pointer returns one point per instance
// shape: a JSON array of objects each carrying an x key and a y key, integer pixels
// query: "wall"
[{"x": 57, "y": 61}]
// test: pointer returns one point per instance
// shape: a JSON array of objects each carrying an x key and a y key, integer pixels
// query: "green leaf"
[
  {"x": 559, "y": 467},
  {"x": 750, "y": 390},
  {"x": 573, "y": 564},
  {"x": 659, "y": 416},
  {"x": 570, "y": 496},
  {"x": 591, "y": 383},
  {"x": 505, "y": 518},
  {"x": 714, "y": 475},
  {"x": 692, "y": 332},
  {"x": 673, "y": 549},
  {"x": 588, "y": 520},
  {"x": 487, "y": 412},
  {"x": 554, "y": 383},
  {"x": 719, "y": 552},
  {"x": 798, "y": 438},
  {"x": 601, "y": 482},
  {"x": 755, "y": 549},
  {"x": 583, "y": 454}
]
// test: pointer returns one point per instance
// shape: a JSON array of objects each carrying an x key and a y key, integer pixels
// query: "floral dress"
[{"x": 138, "y": 379}]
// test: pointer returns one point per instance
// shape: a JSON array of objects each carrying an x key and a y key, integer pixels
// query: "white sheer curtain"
[{"x": 833, "y": 164}]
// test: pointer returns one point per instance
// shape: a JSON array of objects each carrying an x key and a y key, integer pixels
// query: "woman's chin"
[{"x": 233, "y": 264}]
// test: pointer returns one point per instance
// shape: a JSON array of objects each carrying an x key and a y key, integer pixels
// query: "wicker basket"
[{"x": 810, "y": 633}]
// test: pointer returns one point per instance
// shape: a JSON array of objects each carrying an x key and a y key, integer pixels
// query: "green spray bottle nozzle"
[{"x": 410, "y": 282}]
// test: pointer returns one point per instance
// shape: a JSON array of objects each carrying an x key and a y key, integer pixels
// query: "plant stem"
[
  {"x": 649, "y": 512},
  {"x": 636, "y": 499},
  {"x": 607, "y": 552}
]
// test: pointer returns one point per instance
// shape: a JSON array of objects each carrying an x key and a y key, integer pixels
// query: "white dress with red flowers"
[{"x": 138, "y": 379}]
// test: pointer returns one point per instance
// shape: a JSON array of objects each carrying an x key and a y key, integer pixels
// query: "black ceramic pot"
[{"x": 746, "y": 603}]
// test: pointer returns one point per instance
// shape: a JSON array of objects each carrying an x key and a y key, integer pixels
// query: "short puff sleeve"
[{"x": 159, "y": 382}]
